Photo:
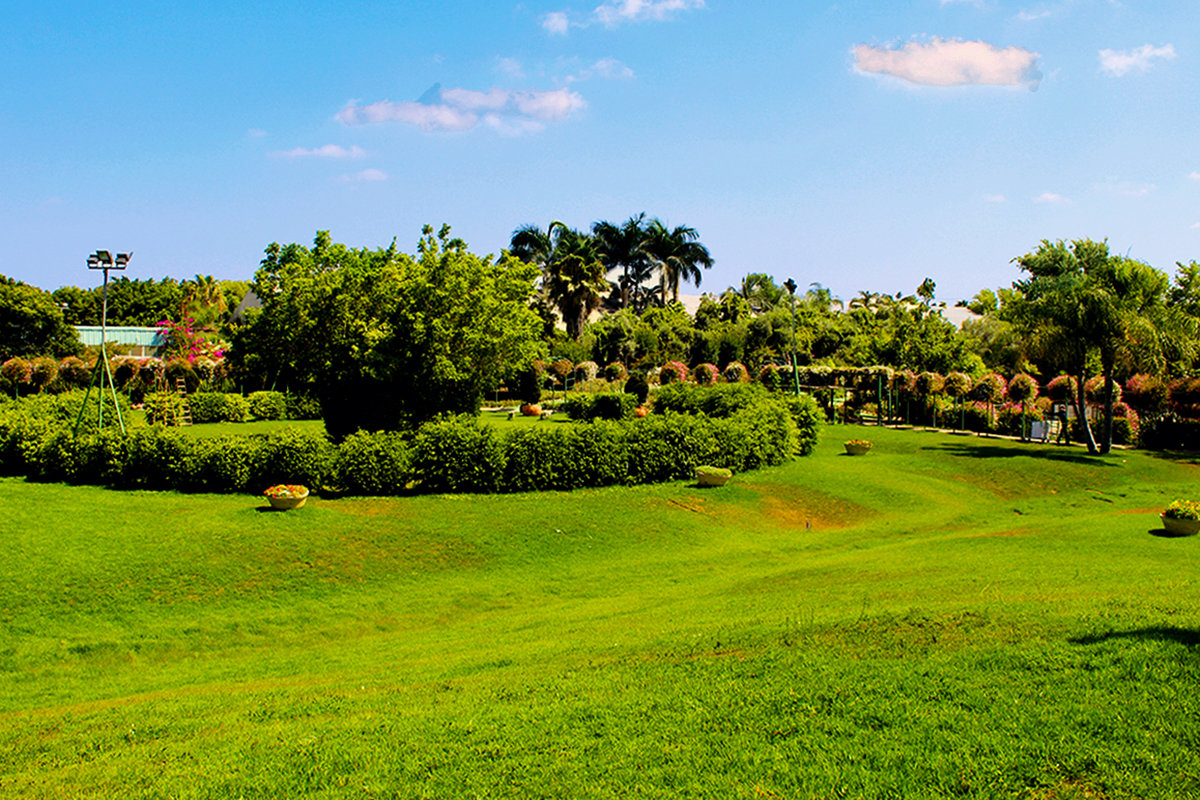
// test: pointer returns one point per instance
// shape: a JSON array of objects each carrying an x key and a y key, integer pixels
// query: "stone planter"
[
  {"x": 1180, "y": 527},
  {"x": 856, "y": 449}
]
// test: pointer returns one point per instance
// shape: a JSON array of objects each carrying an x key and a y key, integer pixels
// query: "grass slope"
[{"x": 948, "y": 616}]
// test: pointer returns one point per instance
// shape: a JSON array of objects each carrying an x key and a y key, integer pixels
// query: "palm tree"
[
  {"x": 572, "y": 272},
  {"x": 623, "y": 247},
  {"x": 760, "y": 292},
  {"x": 678, "y": 255}
]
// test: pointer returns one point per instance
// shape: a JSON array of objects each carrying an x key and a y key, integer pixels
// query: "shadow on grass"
[
  {"x": 1158, "y": 633},
  {"x": 1043, "y": 452},
  {"x": 1163, "y": 533},
  {"x": 1178, "y": 456}
]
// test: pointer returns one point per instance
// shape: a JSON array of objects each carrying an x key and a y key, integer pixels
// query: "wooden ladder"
[{"x": 185, "y": 408}]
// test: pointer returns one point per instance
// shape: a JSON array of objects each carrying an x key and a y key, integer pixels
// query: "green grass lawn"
[{"x": 945, "y": 617}]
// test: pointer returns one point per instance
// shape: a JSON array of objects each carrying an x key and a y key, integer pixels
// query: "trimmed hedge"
[
  {"x": 735, "y": 427},
  {"x": 603, "y": 405}
]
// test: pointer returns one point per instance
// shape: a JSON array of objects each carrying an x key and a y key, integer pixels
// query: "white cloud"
[
  {"x": 510, "y": 67},
  {"x": 368, "y": 175},
  {"x": 995, "y": 198},
  {"x": 951, "y": 62},
  {"x": 1122, "y": 62},
  {"x": 614, "y": 13},
  {"x": 556, "y": 23},
  {"x": 607, "y": 68},
  {"x": 510, "y": 111},
  {"x": 1030, "y": 16},
  {"x": 1195, "y": 226},
  {"x": 1195, "y": 176},
  {"x": 1050, "y": 198},
  {"x": 327, "y": 151}
]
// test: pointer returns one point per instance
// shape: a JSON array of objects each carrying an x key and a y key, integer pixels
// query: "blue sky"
[{"x": 862, "y": 145}]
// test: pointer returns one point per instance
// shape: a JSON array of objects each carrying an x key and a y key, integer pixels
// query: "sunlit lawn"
[{"x": 947, "y": 616}]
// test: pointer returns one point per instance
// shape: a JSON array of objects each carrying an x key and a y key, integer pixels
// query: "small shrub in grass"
[
  {"x": 458, "y": 454},
  {"x": 292, "y": 456},
  {"x": 267, "y": 405},
  {"x": 808, "y": 417},
  {"x": 373, "y": 463},
  {"x": 219, "y": 407},
  {"x": 156, "y": 458}
]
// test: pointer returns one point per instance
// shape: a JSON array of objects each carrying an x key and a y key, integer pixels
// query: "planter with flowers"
[
  {"x": 858, "y": 447},
  {"x": 286, "y": 496},
  {"x": 1182, "y": 518}
]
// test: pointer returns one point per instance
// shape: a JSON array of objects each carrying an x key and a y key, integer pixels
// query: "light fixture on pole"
[
  {"x": 103, "y": 260},
  {"x": 790, "y": 285}
]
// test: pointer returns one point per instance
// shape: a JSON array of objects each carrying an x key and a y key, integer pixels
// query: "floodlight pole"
[
  {"x": 103, "y": 260},
  {"x": 790, "y": 285}
]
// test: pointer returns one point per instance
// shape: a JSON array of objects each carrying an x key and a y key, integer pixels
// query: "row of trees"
[{"x": 574, "y": 265}]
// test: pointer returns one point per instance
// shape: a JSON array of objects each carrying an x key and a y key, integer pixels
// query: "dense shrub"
[
  {"x": 1094, "y": 390},
  {"x": 990, "y": 388},
  {"x": 302, "y": 406},
  {"x": 957, "y": 384},
  {"x": 586, "y": 371},
  {"x": 672, "y": 372},
  {"x": 1022, "y": 388},
  {"x": 529, "y": 385},
  {"x": 929, "y": 383},
  {"x": 219, "y": 407},
  {"x": 43, "y": 371},
  {"x": 602, "y": 405},
  {"x": 808, "y": 416},
  {"x": 16, "y": 372},
  {"x": 639, "y": 387},
  {"x": 771, "y": 377},
  {"x": 566, "y": 457},
  {"x": 458, "y": 454},
  {"x": 292, "y": 456},
  {"x": 180, "y": 368},
  {"x": 1147, "y": 394},
  {"x": 268, "y": 405},
  {"x": 73, "y": 373},
  {"x": 1168, "y": 433},
  {"x": 1062, "y": 389},
  {"x": 615, "y": 372},
  {"x": 1009, "y": 418},
  {"x": 373, "y": 463}
]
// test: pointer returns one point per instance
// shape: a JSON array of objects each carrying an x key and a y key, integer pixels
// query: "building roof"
[{"x": 140, "y": 337}]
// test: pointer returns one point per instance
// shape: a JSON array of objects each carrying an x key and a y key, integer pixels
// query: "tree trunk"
[
  {"x": 1107, "y": 433},
  {"x": 1081, "y": 413}
]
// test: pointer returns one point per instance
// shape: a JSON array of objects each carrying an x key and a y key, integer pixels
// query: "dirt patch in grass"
[
  {"x": 795, "y": 507},
  {"x": 998, "y": 534}
]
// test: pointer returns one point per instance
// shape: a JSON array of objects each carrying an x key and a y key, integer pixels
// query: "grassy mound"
[{"x": 947, "y": 616}]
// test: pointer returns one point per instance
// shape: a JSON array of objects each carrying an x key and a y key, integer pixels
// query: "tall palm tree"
[
  {"x": 678, "y": 255},
  {"x": 623, "y": 247},
  {"x": 572, "y": 271}
]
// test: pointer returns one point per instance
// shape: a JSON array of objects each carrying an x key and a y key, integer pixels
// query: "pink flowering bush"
[
  {"x": 1147, "y": 394},
  {"x": 958, "y": 384},
  {"x": 43, "y": 371},
  {"x": 673, "y": 371},
  {"x": 1094, "y": 390},
  {"x": 990, "y": 388},
  {"x": 615, "y": 372},
  {"x": 74, "y": 373},
  {"x": 16, "y": 372},
  {"x": 1022, "y": 388},
  {"x": 1062, "y": 389},
  {"x": 736, "y": 372}
]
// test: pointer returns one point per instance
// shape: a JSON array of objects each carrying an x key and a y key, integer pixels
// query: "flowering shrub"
[
  {"x": 1022, "y": 388},
  {"x": 929, "y": 383},
  {"x": 186, "y": 342},
  {"x": 904, "y": 381},
  {"x": 1094, "y": 390},
  {"x": 979, "y": 417},
  {"x": 73, "y": 372},
  {"x": 736, "y": 372},
  {"x": 770, "y": 377},
  {"x": 1062, "y": 388},
  {"x": 616, "y": 372},
  {"x": 561, "y": 369},
  {"x": 859, "y": 443},
  {"x": 586, "y": 371},
  {"x": 288, "y": 490},
  {"x": 958, "y": 384},
  {"x": 1009, "y": 418},
  {"x": 16, "y": 371},
  {"x": 43, "y": 371},
  {"x": 706, "y": 374},
  {"x": 673, "y": 371},
  {"x": 991, "y": 388},
  {"x": 1147, "y": 394}
]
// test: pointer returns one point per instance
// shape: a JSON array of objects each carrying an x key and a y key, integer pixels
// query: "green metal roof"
[{"x": 141, "y": 337}]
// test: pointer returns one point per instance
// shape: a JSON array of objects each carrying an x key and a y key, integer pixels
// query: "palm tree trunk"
[{"x": 1081, "y": 413}]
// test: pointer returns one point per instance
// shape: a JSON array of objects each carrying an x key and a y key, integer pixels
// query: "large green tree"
[
  {"x": 31, "y": 323},
  {"x": 1080, "y": 303},
  {"x": 572, "y": 270},
  {"x": 388, "y": 340}
]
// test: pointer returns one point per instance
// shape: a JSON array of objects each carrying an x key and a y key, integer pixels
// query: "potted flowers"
[
  {"x": 858, "y": 447},
  {"x": 1182, "y": 518},
  {"x": 713, "y": 476},
  {"x": 286, "y": 496}
]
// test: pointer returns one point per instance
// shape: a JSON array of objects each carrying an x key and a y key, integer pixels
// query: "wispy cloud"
[
  {"x": 328, "y": 151},
  {"x": 1121, "y": 62},
  {"x": 607, "y": 68},
  {"x": 368, "y": 175},
  {"x": 1050, "y": 198},
  {"x": 1030, "y": 16},
  {"x": 1195, "y": 226},
  {"x": 508, "y": 111},
  {"x": 1195, "y": 176},
  {"x": 510, "y": 67},
  {"x": 618, "y": 12},
  {"x": 951, "y": 62}
]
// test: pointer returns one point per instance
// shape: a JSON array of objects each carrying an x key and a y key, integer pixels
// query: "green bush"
[
  {"x": 302, "y": 406},
  {"x": 219, "y": 407},
  {"x": 458, "y": 454},
  {"x": 225, "y": 463},
  {"x": 566, "y": 457},
  {"x": 639, "y": 387},
  {"x": 808, "y": 417},
  {"x": 373, "y": 463},
  {"x": 292, "y": 456},
  {"x": 268, "y": 405},
  {"x": 602, "y": 405}
]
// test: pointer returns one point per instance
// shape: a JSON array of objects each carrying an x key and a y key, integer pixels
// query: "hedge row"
[{"x": 458, "y": 454}]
